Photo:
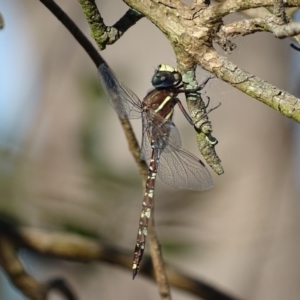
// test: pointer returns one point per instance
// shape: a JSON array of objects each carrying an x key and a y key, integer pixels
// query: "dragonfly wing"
[
  {"x": 163, "y": 129},
  {"x": 160, "y": 132},
  {"x": 181, "y": 169},
  {"x": 146, "y": 143},
  {"x": 121, "y": 98}
]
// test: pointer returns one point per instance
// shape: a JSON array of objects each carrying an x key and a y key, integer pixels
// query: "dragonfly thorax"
[{"x": 161, "y": 102}]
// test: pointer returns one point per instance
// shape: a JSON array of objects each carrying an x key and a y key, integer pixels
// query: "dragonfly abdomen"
[{"x": 145, "y": 215}]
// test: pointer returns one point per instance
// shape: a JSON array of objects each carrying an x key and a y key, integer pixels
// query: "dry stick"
[
  {"x": 1, "y": 22},
  {"x": 217, "y": 11},
  {"x": 154, "y": 244},
  {"x": 279, "y": 10},
  {"x": 88, "y": 7},
  {"x": 158, "y": 265},
  {"x": 27, "y": 284},
  {"x": 106, "y": 35},
  {"x": 73, "y": 247},
  {"x": 17, "y": 275},
  {"x": 268, "y": 24},
  {"x": 81, "y": 249}
]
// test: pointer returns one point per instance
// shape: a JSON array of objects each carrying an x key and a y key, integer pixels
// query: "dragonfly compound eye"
[{"x": 163, "y": 79}]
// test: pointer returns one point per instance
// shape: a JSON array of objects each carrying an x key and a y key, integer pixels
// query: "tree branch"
[
  {"x": 288, "y": 30},
  {"x": 279, "y": 10},
  {"x": 74, "y": 30},
  {"x": 80, "y": 249},
  {"x": 24, "y": 282},
  {"x": 191, "y": 41},
  {"x": 102, "y": 34},
  {"x": 197, "y": 108},
  {"x": 132, "y": 141},
  {"x": 1, "y": 21},
  {"x": 191, "y": 34},
  {"x": 250, "y": 26},
  {"x": 159, "y": 267},
  {"x": 216, "y": 12},
  {"x": 281, "y": 101}
]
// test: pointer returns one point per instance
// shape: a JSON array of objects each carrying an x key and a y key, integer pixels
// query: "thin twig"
[
  {"x": 295, "y": 47},
  {"x": 157, "y": 261},
  {"x": 134, "y": 149},
  {"x": 74, "y": 30},
  {"x": 90, "y": 8},
  {"x": 155, "y": 249},
  {"x": 216, "y": 12},
  {"x": 154, "y": 245},
  {"x": 28, "y": 285},
  {"x": 279, "y": 10},
  {"x": 102, "y": 34},
  {"x": 1, "y": 22},
  {"x": 268, "y": 24},
  {"x": 282, "y": 101},
  {"x": 198, "y": 112},
  {"x": 193, "y": 42},
  {"x": 81, "y": 249},
  {"x": 246, "y": 27},
  {"x": 288, "y": 30}
]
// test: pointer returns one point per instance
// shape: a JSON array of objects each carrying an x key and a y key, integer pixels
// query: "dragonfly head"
[{"x": 166, "y": 76}]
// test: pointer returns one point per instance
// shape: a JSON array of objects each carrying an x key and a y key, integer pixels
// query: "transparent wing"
[
  {"x": 160, "y": 131},
  {"x": 176, "y": 166},
  {"x": 146, "y": 144},
  {"x": 181, "y": 169},
  {"x": 121, "y": 98}
]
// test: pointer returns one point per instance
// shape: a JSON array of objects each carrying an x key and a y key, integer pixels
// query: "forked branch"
[
  {"x": 29, "y": 286},
  {"x": 191, "y": 34},
  {"x": 80, "y": 249},
  {"x": 92, "y": 13},
  {"x": 106, "y": 35}
]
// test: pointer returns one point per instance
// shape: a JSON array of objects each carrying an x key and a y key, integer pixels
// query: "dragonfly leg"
[
  {"x": 211, "y": 109},
  {"x": 198, "y": 88},
  {"x": 208, "y": 101},
  {"x": 203, "y": 84},
  {"x": 185, "y": 113}
]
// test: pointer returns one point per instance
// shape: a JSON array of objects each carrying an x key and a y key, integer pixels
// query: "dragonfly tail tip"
[{"x": 134, "y": 273}]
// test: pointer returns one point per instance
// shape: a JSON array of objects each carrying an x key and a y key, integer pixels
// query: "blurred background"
[{"x": 65, "y": 163}]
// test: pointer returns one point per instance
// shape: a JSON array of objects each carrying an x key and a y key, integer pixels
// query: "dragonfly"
[{"x": 161, "y": 143}]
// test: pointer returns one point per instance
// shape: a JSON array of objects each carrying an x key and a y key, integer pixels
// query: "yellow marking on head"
[
  {"x": 168, "y": 98},
  {"x": 164, "y": 67}
]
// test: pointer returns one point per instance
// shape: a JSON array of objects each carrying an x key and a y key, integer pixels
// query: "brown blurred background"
[{"x": 65, "y": 164}]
